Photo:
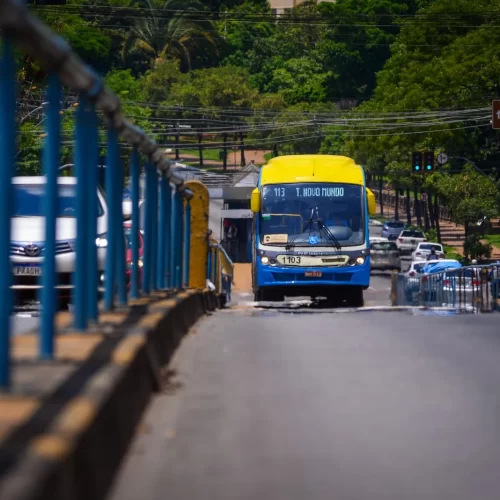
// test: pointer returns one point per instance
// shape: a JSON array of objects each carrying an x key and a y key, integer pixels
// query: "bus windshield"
[{"x": 296, "y": 213}]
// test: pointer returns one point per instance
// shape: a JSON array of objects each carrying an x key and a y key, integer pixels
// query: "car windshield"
[
  {"x": 395, "y": 224},
  {"x": 412, "y": 234},
  {"x": 429, "y": 246},
  {"x": 28, "y": 201},
  {"x": 386, "y": 246},
  {"x": 313, "y": 214}
]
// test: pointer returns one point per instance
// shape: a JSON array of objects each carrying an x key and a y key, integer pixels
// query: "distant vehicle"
[
  {"x": 374, "y": 222},
  {"x": 27, "y": 247},
  {"x": 441, "y": 265},
  {"x": 424, "y": 249},
  {"x": 392, "y": 229},
  {"x": 384, "y": 256},
  {"x": 127, "y": 227},
  {"x": 409, "y": 239},
  {"x": 377, "y": 239},
  {"x": 310, "y": 231},
  {"x": 415, "y": 268}
]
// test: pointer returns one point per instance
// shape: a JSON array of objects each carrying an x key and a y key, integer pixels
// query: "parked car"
[
  {"x": 424, "y": 249},
  {"x": 392, "y": 229},
  {"x": 377, "y": 239},
  {"x": 27, "y": 247},
  {"x": 424, "y": 277},
  {"x": 384, "y": 256},
  {"x": 409, "y": 239},
  {"x": 127, "y": 227}
]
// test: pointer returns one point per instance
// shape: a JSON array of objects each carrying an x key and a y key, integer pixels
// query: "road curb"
[{"x": 77, "y": 454}]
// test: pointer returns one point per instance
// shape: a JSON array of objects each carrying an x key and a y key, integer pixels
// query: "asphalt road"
[{"x": 345, "y": 406}]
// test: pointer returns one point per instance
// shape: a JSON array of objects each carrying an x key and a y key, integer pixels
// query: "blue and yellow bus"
[{"x": 310, "y": 229}]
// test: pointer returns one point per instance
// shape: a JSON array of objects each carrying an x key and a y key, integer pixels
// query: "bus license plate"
[{"x": 313, "y": 274}]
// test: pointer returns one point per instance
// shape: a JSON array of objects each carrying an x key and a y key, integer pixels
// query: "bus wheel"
[{"x": 356, "y": 297}]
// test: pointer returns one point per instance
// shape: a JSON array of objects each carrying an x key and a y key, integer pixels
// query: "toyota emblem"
[{"x": 32, "y": 250}]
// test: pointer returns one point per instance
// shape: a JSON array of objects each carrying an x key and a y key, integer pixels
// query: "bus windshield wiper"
[
  {"x": 291, "y": 244},
  {"x": 332, "y": 238}
]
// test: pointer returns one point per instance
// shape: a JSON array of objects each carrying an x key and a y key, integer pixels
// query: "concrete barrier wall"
[{"x": 72, "y": 448}]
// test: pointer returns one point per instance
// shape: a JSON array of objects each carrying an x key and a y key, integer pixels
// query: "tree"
[{"x": 159, "y": 34}]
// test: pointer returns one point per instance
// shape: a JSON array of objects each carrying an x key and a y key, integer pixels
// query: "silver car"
[
  {"x": 392, "y": 229},
  {"x": 384, "y": 256}
]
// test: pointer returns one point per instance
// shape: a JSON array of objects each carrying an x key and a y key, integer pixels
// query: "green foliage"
[
  {"x": 475, "y": 248},
  {"x": 470, "y": 195},
  {"x": 162, "y": 33},
  {"x": 222, "y": 87}
]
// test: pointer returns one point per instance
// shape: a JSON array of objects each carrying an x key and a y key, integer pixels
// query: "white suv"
[{"x": 27, "y": 245}]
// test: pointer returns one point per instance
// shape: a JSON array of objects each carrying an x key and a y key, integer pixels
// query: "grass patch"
[
  {"x": 493, "y": 239},
  {"x": 208, "y": 154}
]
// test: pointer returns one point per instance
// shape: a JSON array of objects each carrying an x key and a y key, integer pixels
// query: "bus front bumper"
[{"x": 268, "y": 276}]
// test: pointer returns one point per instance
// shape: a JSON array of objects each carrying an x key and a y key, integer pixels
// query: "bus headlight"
[
  {"x": 360, "y": 260},
  {"x": 264, "y": 260}
]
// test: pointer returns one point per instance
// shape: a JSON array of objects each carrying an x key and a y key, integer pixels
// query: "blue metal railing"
[
  {"x": 470, "y": 288},
  {"x": 220, "y": 269},
  {"x": 164, "y": 262}
]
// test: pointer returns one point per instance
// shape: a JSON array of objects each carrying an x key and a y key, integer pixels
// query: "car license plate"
[
  {"x": 27, "y": 270},
  {"x": 413, "y": 241},
  {"x": 313, "y": 274}
]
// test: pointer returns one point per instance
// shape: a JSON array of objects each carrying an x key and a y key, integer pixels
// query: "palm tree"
[{"x": 172, "y": 28}]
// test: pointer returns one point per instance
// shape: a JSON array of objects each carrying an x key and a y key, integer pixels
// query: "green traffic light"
[
  {"x": 417, "y": 167},
  {"x": 429, "y": 167}
]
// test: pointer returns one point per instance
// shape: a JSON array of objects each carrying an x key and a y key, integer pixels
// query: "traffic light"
[
  {"x": 429, "y": 161},
  {"x": 416, "y": 163}
]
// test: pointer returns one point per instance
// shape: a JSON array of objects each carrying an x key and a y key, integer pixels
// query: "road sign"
[
  {"x": 424, "y": 197},
  {"x": 442, "y": 158},
  {"x": 495, "y": 120}
]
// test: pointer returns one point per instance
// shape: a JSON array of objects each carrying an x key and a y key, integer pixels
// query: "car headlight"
[
  {"x": 140, "y": 264},
  {"x": 264, "y": 260},
  {"x": 360, "y": 260},
  {"x": 102, "y": 241}
]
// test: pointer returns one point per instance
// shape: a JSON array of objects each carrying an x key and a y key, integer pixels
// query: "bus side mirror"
[
  {"x": 372, "y": 204},
  {"x": 255, "y": 201}
]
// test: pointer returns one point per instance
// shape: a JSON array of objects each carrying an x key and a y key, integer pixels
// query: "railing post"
[
  {"x": 209, "y": 262},
  {"x": 177, "y": 241},
  {"x": 160, "y": 267},
  {"x": 7, "y": 155},
  {"x": 112, "y": 193},
  {"x": 146, "y": 270},
  {"x": 81, "y": 168},
  {"x": 92, "y": 145},
  {"x": 214, "y": 266},
  {"x": 121, "y": 267},
  {"x": 154, "y": 225},
  {"x": 168, "y": 235},
  {"x": 187, "y": 243},
  {"x": 135, "y": 172},
  {"x": 51, "y": 168},
  {"x": 180, "y": 241}
]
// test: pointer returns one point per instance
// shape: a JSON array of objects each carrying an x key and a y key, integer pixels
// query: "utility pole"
[
  {"x": 242, "y": 148},
  {"x": 224, "y": 150},
  {"x": 177, "y": 131}
]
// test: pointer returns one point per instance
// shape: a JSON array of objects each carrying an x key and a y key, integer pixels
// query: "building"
[{"x": 279, "y": 7}]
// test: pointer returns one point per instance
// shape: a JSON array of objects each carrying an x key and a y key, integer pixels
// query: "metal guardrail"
[
  {"x": 166, "y": 235},
  {"x": 220, "y": 269},
  {"x": 471, "y": 288}
]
